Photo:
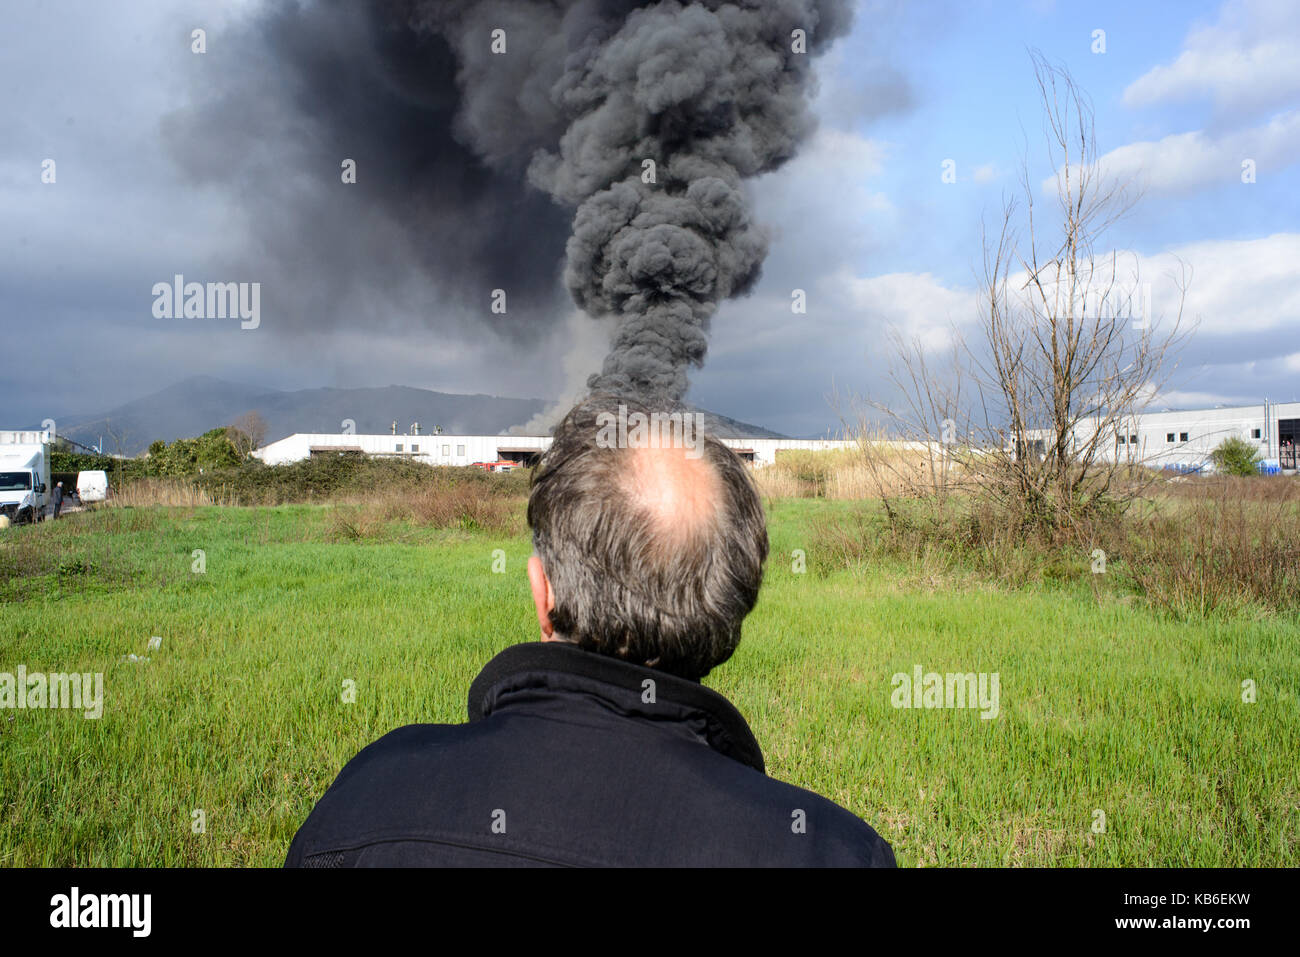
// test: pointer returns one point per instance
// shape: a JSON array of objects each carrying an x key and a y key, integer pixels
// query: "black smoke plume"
[{"x": 480, "y": 167}]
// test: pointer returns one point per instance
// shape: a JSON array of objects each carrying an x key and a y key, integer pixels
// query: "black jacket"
[{"x": 571, "y": 758}]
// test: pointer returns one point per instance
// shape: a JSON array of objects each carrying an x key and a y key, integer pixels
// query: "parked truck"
[{"x": 24, "y": 475}]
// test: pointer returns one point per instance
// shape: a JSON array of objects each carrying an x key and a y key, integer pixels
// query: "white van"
[{"x": 92, "y": 486}]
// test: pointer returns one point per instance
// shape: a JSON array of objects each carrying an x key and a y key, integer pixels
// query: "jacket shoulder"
[
  {"x": 576, "y": 795},
  {"x": 372, "y": 772}
]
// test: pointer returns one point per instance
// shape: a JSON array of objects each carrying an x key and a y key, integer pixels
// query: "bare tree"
[
  {"x": 247, "y": 432},
  {"x": 1072, "y": 349},
  {"x": 1066, "y": 349},
  {"x": 917, "y": 450},
  {"x": 119, "y": 437}
]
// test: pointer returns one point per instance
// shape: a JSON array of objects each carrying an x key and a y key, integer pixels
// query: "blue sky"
[
  {"x": 1182, "y": 93},
  {"x": 984, "y": 117},
  {"x": 861, "y": 219}
]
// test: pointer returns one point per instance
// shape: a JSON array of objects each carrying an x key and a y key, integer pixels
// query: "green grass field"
[{"x": 1104, "y": 705}]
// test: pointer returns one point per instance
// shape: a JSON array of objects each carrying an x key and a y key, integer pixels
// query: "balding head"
[
  {"x": 654, "y": 550},
  {"x": 677, "y": 494}
]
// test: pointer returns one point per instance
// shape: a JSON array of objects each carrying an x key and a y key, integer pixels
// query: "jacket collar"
[{"x": 559, "y": 667}]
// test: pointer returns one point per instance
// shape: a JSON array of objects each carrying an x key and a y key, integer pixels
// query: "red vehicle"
[{"x": 501, "y": 465}]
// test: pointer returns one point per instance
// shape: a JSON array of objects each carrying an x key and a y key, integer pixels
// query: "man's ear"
[{"x": 543, "y": 596}]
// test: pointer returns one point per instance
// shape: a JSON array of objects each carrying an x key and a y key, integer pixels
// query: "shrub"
[
  {"x": 1201, "y": 547},
  {"x": 211, "y": 450},
  {"x": 1236, "y": 456}
]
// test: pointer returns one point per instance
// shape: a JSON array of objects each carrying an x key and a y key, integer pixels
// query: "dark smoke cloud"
[
  {"x": 459, "y": 148},
  {"x": 712, "y": 93},
  {"x": 428, "y": 229}
]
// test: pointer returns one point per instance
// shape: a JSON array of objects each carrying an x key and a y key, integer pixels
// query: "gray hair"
[{"x": 623, "y": 587}]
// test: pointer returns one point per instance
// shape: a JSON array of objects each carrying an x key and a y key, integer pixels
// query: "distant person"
[
  {"x": 57, "y": 498},
  {"x": 598, "y": 745}
]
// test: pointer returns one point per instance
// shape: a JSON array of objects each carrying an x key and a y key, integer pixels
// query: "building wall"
[
  {"x": 430, "y": 449},
  {"x": 468, "y": 449},
  {"x": 1204, "y": 428},
  {"x": 26, "y": 437},
  {"x": 765, "y": 450}
]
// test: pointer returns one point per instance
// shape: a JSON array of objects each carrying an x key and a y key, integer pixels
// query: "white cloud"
[
  {"x": 1248, "y": 60},
  {"x": 776, "y": 368},
  {"x": 1238, "y": 287},
  {"x": 1235, "y": 288},
  {"x": 1184, "y": 161},
  {"x": 916, "y": 304},
  {"x": 831, "y": 172},
  {"x": 847, "y": 315},
  {"x": 845, "y": 155},
  {"x": 1176, "y": 399},
  {"x": 1247, "y": 64},
  {"x": 822, "y": 208}
]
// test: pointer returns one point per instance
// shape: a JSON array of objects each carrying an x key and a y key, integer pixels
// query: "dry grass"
[
  {"x": 1221, "y": 543},
  {"x": 776, "y": 483},
  {"x": 367, "y": 504},
  {"x": 1256, "y": 488},
  {"x": 1195, "y": 549},
  {"x": 941, "y": 544},
  {"x": 469, "y": 506},
  {"x": 874, "y": 470},
  {"x": 169, "y": 492}
]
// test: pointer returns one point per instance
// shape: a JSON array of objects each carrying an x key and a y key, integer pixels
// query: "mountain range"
[{"x": 195, "y": 405}]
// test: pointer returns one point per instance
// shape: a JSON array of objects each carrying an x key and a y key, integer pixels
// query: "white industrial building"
[
  {"x": 1175, "y": 440},
  {"x": 1184, "y": 439},
  {"x": 437, "y": 449}
]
